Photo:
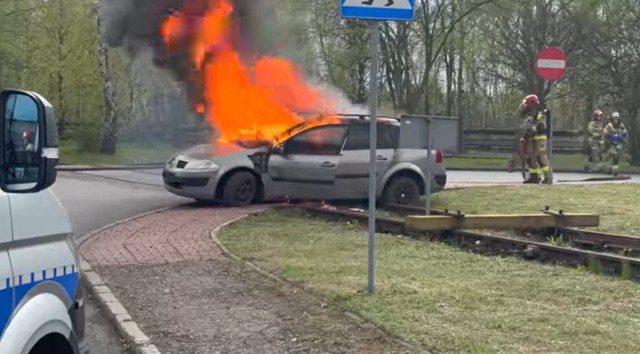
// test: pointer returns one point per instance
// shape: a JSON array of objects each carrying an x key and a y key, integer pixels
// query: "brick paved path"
[
  {"x": 189, "y": 298},
  {"x": 166, "y": 237}
]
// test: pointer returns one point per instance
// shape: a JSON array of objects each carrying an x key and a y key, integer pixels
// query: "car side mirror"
[
  {"x": 28, "y": 142},
  {"x": 277, "y": 149}
]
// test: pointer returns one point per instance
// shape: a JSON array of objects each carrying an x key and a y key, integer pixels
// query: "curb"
[
  {"x": 126, "y": 327},
  {"x": 83, "y": 168},
  {"x": 414, "y": 347}
]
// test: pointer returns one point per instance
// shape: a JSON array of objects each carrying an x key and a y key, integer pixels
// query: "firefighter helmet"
[
  {"x": 615, "y": 115},
  {"x": 531, "y": 101},
  {"x": 597, "y": 115}
]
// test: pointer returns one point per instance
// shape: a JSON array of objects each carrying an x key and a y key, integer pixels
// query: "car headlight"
[{"x": 201, "y": 165}]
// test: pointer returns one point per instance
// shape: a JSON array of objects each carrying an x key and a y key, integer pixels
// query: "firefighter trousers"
[
  {"x": 537, "y": 159},
  {"x": 613, "y": 153},
  {"x": 594, "y": 156}
]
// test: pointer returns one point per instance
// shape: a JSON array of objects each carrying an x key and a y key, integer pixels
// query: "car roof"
[
  {"x": 350, "y": 118},
  {"x": 357, "y": 118}
]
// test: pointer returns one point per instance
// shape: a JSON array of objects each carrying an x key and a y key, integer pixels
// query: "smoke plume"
[{"x": 135, "y": 25}]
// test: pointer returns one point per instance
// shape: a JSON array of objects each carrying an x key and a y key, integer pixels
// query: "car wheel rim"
[
  {"x": 403, "y": 194},
  {"x": 246, "y": 190}
]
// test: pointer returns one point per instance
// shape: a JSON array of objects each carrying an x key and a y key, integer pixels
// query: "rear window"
[{"x": 358, "y": 137}]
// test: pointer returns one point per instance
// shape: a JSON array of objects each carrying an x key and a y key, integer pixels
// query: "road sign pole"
[
  {"x": 551, "y": 65},
  {"x": 427, "y": 203},
  {"x": 550, "y": 107},
  {"x": 375, "y": 10},
  {"x": 373, "y": 142}
]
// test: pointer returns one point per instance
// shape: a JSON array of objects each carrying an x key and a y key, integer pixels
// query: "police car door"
[{"x": 6, "y": 292}]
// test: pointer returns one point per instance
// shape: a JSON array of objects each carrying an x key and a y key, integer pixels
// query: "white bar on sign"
[{"x": 551, "y": 64}]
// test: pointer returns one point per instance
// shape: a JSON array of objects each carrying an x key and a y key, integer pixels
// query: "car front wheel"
[
  {"x": 401, "y": 190},
  {"x": 240, "y": 189}
]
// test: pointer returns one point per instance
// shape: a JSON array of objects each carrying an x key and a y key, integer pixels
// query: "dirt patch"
[{"x": 219, "y": 306}]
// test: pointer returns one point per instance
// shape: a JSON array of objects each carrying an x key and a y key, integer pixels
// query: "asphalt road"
[
  {"x": 154, "y": 178},
  {"x": 95, "y": 199},
  {"x": 92, "y": 202}
]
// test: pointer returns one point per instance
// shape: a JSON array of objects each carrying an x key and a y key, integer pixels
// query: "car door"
[
  {"x": 306, "y": 168},
  {"x": 6, "y": 274},
  {"x": 352, "y": 178}
]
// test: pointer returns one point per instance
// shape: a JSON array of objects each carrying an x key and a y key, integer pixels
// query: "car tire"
[
  {"x": 401, "y": 190},
  {"x": 240, "y": 189}
]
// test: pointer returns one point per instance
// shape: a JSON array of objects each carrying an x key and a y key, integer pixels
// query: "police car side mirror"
[{"x": 28, "y": 142}]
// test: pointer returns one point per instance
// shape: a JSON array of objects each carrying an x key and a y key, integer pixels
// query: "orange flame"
[{"x": 243, "y": 102}]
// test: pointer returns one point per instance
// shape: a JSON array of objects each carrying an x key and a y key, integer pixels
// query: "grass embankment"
[
  {"x": 70, "y": 154},
  {"x": 617, "y": 204},
  {"x": 453, "y": 301},
  {"x": 501, "y": 161}
]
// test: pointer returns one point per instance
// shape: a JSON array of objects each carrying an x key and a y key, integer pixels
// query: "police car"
[{"x": 41, "y": 298}]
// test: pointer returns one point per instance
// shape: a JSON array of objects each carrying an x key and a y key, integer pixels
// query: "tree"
[
  {"x": 612, "y": 37},
  {"x": 110, "y": 120}
]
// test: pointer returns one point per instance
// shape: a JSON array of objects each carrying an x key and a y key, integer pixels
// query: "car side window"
[
  {"x": 324, "y": 140},
  {"x": 394, "y": 134},
  {"x": 358, "y": 137}
]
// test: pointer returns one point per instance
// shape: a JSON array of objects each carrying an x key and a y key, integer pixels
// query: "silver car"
[{"x": 326, "y": 162}]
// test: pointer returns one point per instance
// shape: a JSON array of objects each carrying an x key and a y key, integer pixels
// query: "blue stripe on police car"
[{"x": 67, "y": 278}]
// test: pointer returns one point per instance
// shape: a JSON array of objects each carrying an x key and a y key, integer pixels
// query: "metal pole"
[
  {"x": 427, "y": 204},
  {"x": 373, "y": 142},
  {"x": 550, "y": 127}
]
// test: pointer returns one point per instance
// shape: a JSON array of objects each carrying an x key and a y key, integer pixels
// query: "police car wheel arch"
[{"x": 45, "y": 312}]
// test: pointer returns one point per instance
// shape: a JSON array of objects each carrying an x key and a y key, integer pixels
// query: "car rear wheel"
[
  {"x": 401, "y": 190},
  {"x": 240, "y": 189}
]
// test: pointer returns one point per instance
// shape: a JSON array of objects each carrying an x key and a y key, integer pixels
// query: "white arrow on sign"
[{"x": 383, "y": 4}]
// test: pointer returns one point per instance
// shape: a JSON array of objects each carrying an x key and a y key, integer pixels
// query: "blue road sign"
[{"x": 398, "y": 10}]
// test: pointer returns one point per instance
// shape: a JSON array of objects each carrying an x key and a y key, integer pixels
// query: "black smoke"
[{"x": 134, "y": 25}]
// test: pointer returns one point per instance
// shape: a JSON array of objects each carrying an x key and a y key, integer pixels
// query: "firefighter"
[
  {"x": 534, "y": 136},
  {"x": 614, "y": 135},
  {"x": 595, "y": 134}
]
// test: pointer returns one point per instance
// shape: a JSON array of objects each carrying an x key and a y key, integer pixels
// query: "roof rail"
[{"x": 363, "y": 116}]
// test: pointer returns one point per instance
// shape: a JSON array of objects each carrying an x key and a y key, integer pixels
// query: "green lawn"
[
  {"x": 453, "y": 301},
  {"x": 125, "y": 154},
  {"x": 501, "y": 161},
  {"x": 617, "y": 204}
]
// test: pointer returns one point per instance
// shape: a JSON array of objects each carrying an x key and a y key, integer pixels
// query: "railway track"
[
  {"x": 592, "y": 240},
  {"x": 544, "y": 252}
]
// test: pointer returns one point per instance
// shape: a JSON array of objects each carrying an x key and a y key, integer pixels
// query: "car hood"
[{"x": 218, "y": 150}]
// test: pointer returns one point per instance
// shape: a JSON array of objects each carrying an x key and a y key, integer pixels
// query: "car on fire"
[{"x": 314, "y": 162}]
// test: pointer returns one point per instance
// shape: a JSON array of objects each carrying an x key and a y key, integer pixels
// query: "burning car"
[{"x": 328, "y": 161}]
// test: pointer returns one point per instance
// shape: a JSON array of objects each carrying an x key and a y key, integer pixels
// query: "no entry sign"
[{"x": 551, "y": 63}]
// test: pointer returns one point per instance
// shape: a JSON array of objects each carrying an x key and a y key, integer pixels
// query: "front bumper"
[
  {"x": 199, "y": 184},
  {"x": 177, "y": 181}
]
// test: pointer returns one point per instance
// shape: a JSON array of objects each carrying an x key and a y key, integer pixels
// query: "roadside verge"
[
  {"x": 411, "y": 346},
  {"x": 126, "y": 327}
]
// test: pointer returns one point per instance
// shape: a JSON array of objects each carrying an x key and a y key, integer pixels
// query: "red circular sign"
[{"x": 551, "y": 63}]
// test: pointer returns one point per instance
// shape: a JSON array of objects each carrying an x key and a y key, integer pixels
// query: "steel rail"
[
  {"x": 490, "y": 244},
  {"x": 593, "y": 239}
]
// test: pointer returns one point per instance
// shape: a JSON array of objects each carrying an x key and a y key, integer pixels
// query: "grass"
[
  {"x": 125, "y": 154},
  {"x": 446, "y": 299},
  {"x": 500, "y": 161},
  {"x": 617, "y": 204}
]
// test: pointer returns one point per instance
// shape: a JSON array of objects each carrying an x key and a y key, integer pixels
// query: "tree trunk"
[
  {"x": 450, "y": 70},
  {"x": 459, "y": 87},
  {"x": 110, "y": 118},
  {"x": 634, "y": 135}
]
